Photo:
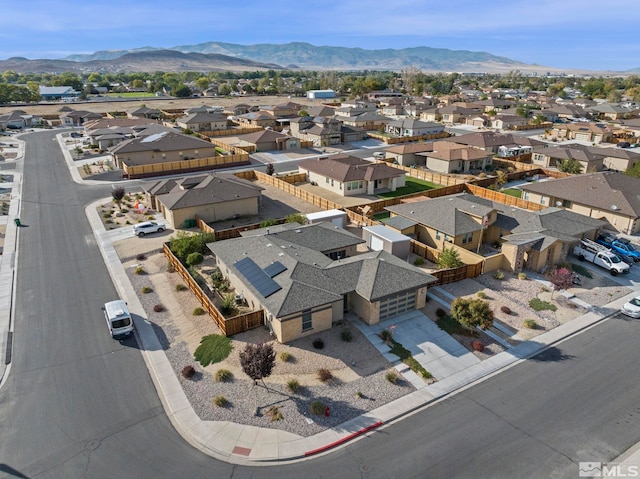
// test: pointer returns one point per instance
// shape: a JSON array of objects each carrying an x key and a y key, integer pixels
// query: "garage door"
[
  {"x": 583, "y": 136},
  {"x": 376, "y": 243},
  {"x": 396, "y": 305}
]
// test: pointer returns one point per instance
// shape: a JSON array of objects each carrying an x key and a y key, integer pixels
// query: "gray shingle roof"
[
  {"x": 163, "y": 141},
  {"x": 399, "y": 222},
  {"x": 350, "y": 168}
]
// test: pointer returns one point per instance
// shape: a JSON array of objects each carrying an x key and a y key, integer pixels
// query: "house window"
[
  {"x": 566, "y": 204},
  {"x": 543, "y": 200},
  {"x": 467, "y": 238},
  {"x": 331, "y": 182},
  {"x": 306, "y": 320},
  {"x": 327, "y": 180},
  {"x": 438, "y": 235},
  {"x": 338, "y": 254},
  {"x": 447, "y": 237},
  {"x": 526, "y": 195}
]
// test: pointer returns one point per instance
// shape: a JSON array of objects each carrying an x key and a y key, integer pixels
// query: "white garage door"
[
  {"x": 376, "y": 243},
  {"x": 583, "y": 136},
  {"x": 396, "y": 305}
]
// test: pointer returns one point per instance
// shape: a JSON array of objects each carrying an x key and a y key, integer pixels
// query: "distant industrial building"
[{"x": 313, "y": 94}]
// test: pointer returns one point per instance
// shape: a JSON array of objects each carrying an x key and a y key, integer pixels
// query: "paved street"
[{"x": 78, "y": 404}]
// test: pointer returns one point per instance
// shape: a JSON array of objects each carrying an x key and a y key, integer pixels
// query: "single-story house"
[
  {"x": 552, "y": 156},
  {"x": 406, "y": 154},
  {"x": 203, "y": 121},
  {"x": 78, "y": 117},
  {"x": 606, "y": 195},
  {"x": 269, "y": 140},
  {"x": 349, "y": 176},
  {"x": 582, "y": 131},
  {"x": 212, "y": 197},
  {"x": 413, "y": 127},
  {"x": 448, "y": 157},
  {"x": 506, "y": 122},
  {"x": 145, "y": 112},
  {"x": 302, "y": 291}
]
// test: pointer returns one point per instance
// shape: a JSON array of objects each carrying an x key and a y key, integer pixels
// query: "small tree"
[
  {"x": 472, "y": 312},
  {"x": 570, "y": 165},
  {"x": 296, "y": 218},
  {"x": 270, "y": 170},
  {"x": 501, "y": 178},
  {"x": 117, "y": 193},
  {"x": 560, "y": 278},
  {"x": 257, "y": 361},
  {"x": 449, "y": 258}
]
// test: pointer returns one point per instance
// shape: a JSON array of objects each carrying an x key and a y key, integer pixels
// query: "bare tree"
[{"x": 117, "y": 193}]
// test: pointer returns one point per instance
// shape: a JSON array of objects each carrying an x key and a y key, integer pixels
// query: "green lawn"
[
  {"x": 412, "y": 185},
  {"x": 382, "y": 215},
  {"x": 131, "y": 94},
  {"x": 513, "y": 192}
]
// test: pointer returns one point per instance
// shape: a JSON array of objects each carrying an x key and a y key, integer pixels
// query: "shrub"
[
  {"x": 213, "y": 349},
  {"x": 440, "y": 313},
  {"x": 220, "y": 401},
  {"x": 194, "y": 258},
  {"x": 139, "y": 270},
  {"x": 198, "y": 311},
  {"x": 257, "y": 361},
  {"x": 269, "y": 222},
  {"x": 324, "y": 375},
  {"x": 106, "y": 215},
  {"x": 449, "y": 258},
  {"x": 472, "y": 313},
  {"x": 346, "y": 335},
  {"x": 293, "y": 385},
  {"x": 522, "y": 276},
  {"x": 505, "y": 310},
  {"x": 530, "y": 324},
  {"x": 540, "y": 305},
  {"x": 498, "y": 275},
  {"x": 141, "y": 257},
  {"x": 317, "y": 408},
  {"x": 274, "y": 414},
  {"x": 477, "y": 346},
  {"x": 147, "y": 289},
  {"x": 181, "y": 287},
  {"x": 296, "y": 218},
  {"x": 318, "y": 343},
  {"x": 392, "y": 376},
  {"x": 188, "y": 372},
  {"x": 359, "y": 394},
  {"x": 158, "y": 308},
  {"x": 223, "y": 375},
  {"x": 184, "y": 244},
  {"x": 418, "y": 261},
  {"x": 386, "y": 335},
  {"x": 285, "y": 356},
  {"x": 481, "y": 295}
]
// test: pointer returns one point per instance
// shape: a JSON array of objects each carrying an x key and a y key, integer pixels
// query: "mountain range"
[{"x": 219, "y": 56}]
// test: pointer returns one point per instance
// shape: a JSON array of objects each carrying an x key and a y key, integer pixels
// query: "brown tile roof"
[
  {"x": 406, "y": 148},
  {"x": 350, "y": 168},
  {"x": 446, "y": 150}
]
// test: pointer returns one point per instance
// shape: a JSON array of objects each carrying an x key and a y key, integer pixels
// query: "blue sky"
[{"x": 567, "y": 34}]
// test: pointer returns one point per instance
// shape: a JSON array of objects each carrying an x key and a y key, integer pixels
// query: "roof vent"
[{"x": 298, "y": 231}]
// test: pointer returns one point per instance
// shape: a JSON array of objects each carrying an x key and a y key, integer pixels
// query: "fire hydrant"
[{"x": 326, "y": 410}]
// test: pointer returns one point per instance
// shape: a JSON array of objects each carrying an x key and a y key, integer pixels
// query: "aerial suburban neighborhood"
[{"x": 264, "y": 265}]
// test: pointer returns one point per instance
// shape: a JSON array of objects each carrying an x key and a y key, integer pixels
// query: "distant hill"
[
  {"x": 307, "y": 56},
  {"x": 140, "y": 61}
]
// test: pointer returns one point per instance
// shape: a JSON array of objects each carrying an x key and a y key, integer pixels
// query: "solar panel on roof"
[
  {"x": 257, "y": 278},
  {"x": 274, "y": 269}
]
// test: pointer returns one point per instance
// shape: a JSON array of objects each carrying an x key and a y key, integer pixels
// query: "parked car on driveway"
[
  {"x": 632, "y": 308},
  {"x": 620, "y": 246},
  {"x": 148, "y": 227}
]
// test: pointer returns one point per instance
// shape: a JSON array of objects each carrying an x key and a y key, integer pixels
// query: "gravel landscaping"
[{"x": 359, "y": 384}]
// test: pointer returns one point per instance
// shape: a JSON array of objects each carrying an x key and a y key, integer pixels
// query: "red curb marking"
[
  {"x": 241, "y": 451},
  {"x": 343, "y": 440}
]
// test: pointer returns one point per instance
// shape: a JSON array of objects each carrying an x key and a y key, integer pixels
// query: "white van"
[{"x": 118, "y": 318}]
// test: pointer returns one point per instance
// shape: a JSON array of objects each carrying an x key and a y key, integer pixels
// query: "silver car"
[{"x": 632, "y": 308}]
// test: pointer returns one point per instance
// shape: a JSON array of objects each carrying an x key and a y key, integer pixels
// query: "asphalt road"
[{"x": 78, "y": 404}]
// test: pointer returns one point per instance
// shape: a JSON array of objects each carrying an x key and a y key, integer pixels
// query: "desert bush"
[
  {"x": 540, "y": 305},
  {"x": 220, "y": 401},
  {"x": 449, "y": 258},
  {"x": 223, "y": 375},
  {"x": 522, "y": 276},
  {"x": 188, "y": 372},
  {"x": 391, "y": 376},
  {"x": 318, "y": 343},
  {"x": 346, "y": 335},
  {"x": 530, "y": 324},
  {"x": 228, "y": 304},
  {"x": 293, "y": 385},
  {"x": 158, "y": 308},
  {"x": 198, "y": 311},
  {"x": 477, "y": 346},
  {"x": 505, "y": 309},
  {"x": 419, "y": 261},
  {"x": 274, "y": 414},
  {"x": 498, "y": 275},
  {"x": 194, "y": 258},
  {"x": 181, "y": 287},
  {"x": 285, "y": 356},
  {"x": 386, "y": 335},
  {"x": 481, "y": 295},
  {"x": 140, "y": 270},
  {"x": 359, "y": 394},
  {"x": 324, "y": 375},
  {"x": 317, "y": 408},
  {"x": 147, "y": 289}
]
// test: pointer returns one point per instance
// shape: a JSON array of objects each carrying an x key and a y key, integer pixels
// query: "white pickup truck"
[{"x": 599, "y": 255}]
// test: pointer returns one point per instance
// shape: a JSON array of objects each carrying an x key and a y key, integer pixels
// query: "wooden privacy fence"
[
  {"x": 437, "y": 178},
  {"x": 394, "y": 140},
  {"x": 228, "y": 326},
  {"x": 298, "y": 192},
  {"x": 503, "y": 198},
  {"x": 183, "y": 166}
]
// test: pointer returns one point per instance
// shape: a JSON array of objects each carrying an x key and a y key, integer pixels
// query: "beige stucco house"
[{"x": 449, "y": 157}]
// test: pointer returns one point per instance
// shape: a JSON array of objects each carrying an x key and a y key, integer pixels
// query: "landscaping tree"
[
  {"x": 501, "y": 178},
  {"x": 257, "y": 361},
  {"x": 570, "y": 165},
  {"x": 472, "y": 312},
  {"x": 270, "y": 170},
  {"x": 117, "y": 193},
  {"x": 560, "y": 278},
  {"x": 449, "y": 258},
  {"x": 296, "y": 218}
]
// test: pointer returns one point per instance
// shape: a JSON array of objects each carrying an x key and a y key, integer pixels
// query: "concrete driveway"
[{"x": 432, "y": 347}]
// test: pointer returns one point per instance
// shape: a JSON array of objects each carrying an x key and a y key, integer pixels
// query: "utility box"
[
  {"x": 337, "y": 217},
  {"x": 382, "y": 238}
]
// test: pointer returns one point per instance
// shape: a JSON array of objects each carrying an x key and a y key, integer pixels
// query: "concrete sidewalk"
[{"x": 241, "y": 444}]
